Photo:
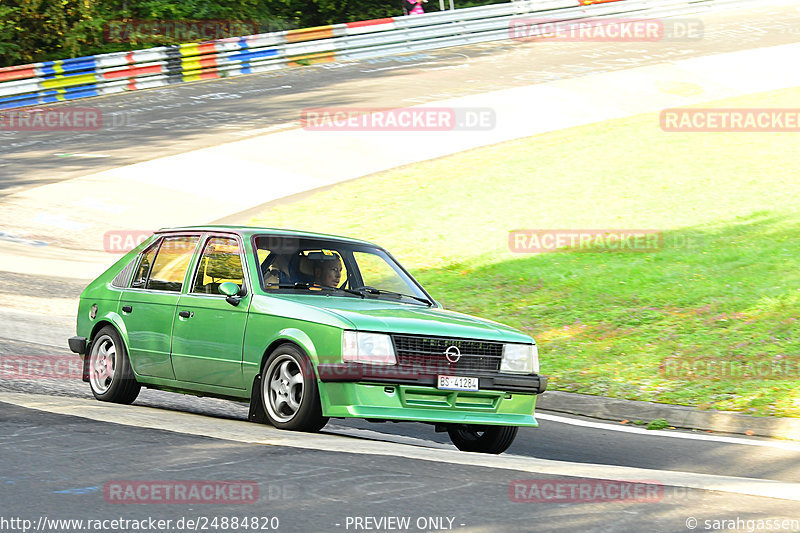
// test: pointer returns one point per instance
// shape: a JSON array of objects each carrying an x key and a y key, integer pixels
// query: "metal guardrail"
[{"x": 69, "y": 79}]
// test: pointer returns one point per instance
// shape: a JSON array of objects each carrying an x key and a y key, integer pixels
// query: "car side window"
[
  {"x": 220, "y": 262},
  {"x": 171, "y": 262},
  {"x": 140, "y": 279}
]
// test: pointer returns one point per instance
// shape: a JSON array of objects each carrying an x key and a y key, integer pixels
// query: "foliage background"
[{"x": 39, "y": 30}]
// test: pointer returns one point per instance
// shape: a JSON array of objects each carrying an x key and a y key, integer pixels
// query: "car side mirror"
[{"x": 231, "y": 292}]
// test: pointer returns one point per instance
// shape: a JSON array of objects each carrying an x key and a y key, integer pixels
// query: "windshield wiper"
[
  {"x": 309, "y": 287},
  {"x": 351, "y": 291},
  {"x": 290, "y": 285},
  {"x": 373, "y": 290}
]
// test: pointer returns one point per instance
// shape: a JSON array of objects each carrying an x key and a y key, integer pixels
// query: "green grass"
[
  {"x": 658, "y": 423},
  {"x": 607, "y": 323}
]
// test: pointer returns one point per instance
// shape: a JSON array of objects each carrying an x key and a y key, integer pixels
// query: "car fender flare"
[
  {"x": 114, "y": 320},
  {"x": 288, "y": 335},
  {"x": 295, "y": 336}
]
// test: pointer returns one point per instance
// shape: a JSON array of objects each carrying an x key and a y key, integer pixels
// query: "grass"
[
  {"x": 608, "y": 323},
  {"x": 658, "y": 423}
]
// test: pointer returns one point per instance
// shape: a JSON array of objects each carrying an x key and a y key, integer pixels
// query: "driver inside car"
[{"x": 328, "y": 271}]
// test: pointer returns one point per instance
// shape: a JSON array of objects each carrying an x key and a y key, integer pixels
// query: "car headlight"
[
  {"x": 362, "y": 347},
  {"x": 520, "y": 359}
]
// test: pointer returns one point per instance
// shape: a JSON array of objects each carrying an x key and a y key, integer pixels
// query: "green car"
[{"x": 304, "y": 327}]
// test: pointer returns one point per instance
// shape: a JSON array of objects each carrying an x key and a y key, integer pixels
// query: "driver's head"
[{"x": 328, "y": 271}]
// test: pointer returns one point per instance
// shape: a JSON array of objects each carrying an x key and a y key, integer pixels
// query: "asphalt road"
[
  {"x": 61, "y": 466},
  {"x": 557, "y": 438}
]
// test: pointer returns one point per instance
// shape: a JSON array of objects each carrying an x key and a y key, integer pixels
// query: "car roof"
[{"x": 248, "y": 231}]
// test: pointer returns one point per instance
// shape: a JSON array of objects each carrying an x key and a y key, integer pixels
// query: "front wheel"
[
  {"x": 482, "y": 439},
  {"x": 289, "y": 391},
  {"x": 110, "y": 375}
]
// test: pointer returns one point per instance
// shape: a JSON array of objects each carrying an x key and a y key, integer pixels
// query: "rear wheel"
[
  {"x": 482, "y": 439},
  {"x": 289, "y": 391},
  {"x": 110, "y": 375}
]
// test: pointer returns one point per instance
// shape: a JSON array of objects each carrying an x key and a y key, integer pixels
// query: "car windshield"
[{"x": 322, "y": 266}]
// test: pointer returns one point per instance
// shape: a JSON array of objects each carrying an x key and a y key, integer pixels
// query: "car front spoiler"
[{"x": 353, "y": 372}]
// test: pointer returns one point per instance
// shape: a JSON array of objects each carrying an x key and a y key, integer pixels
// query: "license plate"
[{"x": 457, "y": 383}]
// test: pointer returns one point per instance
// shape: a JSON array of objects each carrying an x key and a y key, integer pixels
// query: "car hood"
[{"x": 397, "y": 317}]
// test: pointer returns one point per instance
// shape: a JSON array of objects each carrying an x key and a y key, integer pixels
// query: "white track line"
[{"x": 675, "y": 435}]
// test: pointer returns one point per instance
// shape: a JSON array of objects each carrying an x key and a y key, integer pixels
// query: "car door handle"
[
  {"x": 127, "y": 308},
  {"x": 185, "y": 314}
]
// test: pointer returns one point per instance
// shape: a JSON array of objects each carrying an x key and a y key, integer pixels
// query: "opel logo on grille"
[{"x": 453, "y": 354}]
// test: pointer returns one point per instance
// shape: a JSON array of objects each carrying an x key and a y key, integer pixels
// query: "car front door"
[
  {"x": 147, "y": 307},
  {"x": 208, "y": 333}
]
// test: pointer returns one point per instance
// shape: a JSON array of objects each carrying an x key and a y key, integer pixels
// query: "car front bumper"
[
  {"x": 356, "y": 391},
  {"x": 356, "y": 372}
]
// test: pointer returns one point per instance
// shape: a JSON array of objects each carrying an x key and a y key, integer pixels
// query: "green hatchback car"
[{"x": 304, "y": 327}]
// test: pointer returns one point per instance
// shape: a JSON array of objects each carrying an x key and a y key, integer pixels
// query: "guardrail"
[{"x": 69, "y": 79}]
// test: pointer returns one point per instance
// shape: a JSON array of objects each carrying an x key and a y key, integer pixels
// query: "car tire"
[
  {"x": 289, "y": 391},
  {"x": 482, "y": 439},
  {"x": 110, "y": 375}
]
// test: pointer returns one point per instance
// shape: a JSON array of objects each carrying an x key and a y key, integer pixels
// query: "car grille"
[{"x": 427, "y": 354}]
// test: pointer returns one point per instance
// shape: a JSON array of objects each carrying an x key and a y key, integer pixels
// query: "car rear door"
[
  {"x": 208, "y": 333},
  {"x": 147, "y": 307}
]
